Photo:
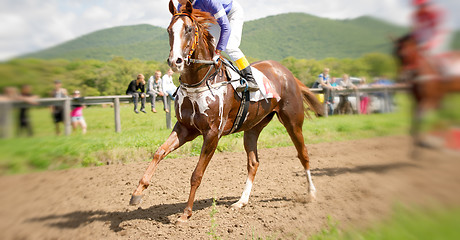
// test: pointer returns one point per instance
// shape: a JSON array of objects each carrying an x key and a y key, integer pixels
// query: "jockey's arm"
[{"x": 217, "y": 10}]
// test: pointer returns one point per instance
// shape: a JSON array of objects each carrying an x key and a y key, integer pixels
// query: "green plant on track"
[{"x": 213, "y": 228}]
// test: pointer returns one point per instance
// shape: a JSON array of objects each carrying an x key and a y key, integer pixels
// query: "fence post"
[
  {"x": 6, "y": 125},
  {"x": 116, "y": 107},
  {"x": 387, "y": 100},
  {"x": 67, "y": 127},
  {"x": 168, "y": 114}
]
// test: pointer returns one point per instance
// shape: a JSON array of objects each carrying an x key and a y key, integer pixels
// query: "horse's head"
[
  {"x": 406, "y": 51},
  {"x": 185, "y": 34}
]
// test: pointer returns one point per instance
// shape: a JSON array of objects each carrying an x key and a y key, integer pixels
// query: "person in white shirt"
[
  {"x": 154, "y": 89},
  {"x": 167, "y": 84}
]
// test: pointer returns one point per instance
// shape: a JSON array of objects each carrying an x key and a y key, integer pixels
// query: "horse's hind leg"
[
  {"x": 250, "y": 145},
  {"x": 293, "y": 121}
]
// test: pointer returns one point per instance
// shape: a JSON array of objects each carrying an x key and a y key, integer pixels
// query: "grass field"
[
  {"x": 406, "y": 223},
  {"x": 142, "y": 134}
]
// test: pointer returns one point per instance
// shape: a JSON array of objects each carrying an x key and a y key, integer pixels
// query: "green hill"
[
  {"x": 276, "y": 37},
  {"x": 143, "y": 41},
  {"x": 305, "y": 36}
]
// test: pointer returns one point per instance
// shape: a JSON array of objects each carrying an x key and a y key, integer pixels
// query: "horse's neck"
[{"x": 195, "y": 72}]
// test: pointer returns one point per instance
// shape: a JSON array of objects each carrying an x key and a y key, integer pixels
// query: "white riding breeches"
[{"x": 236, "y": 19}]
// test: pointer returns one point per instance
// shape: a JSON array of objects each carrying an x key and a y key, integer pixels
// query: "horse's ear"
[
  {"x": 189, "y": 7},
  {"x": 172, "y": 8}
]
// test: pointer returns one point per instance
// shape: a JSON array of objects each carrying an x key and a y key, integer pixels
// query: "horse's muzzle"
[{"x": 177, "y": 65}]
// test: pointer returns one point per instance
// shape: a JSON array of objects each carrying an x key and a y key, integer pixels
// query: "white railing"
[{"x": 6, "y": 108}]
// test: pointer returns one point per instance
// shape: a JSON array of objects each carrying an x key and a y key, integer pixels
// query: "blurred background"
[{"x": 98, "y": 47}]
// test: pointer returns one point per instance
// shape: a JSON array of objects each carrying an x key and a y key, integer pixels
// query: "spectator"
[
  {"x": 23, "y": 118},
  {"x": 346, "y": 83},
  {"x": 330, "y": 101},
  {"x": 323, "y": 80},
  {"x": 363, "y": 98},
  {"x": 58, "y": 110},
  {"x": 167, "y": 84},
  {"x": 135, "y": 85},
  {"x": 344, "y": 105},
  {"x": 333, "y": 82},
  {"x": 76, "y": 115},
  {"x": 154, "y": 89}
]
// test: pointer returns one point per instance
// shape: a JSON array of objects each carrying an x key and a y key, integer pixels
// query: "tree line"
[{"x": 99, "y": 78}]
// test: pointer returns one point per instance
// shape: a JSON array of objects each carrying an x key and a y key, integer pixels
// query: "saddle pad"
[
  {"x": 262, "y": 81},
  {"x": 449, "y": 64}
]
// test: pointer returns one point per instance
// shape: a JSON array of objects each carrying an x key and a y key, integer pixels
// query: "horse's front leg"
[
  {"x": 177, "y": 138},
  {"x": 210, "y": 141},
  {"x": 417, "y": 114}
]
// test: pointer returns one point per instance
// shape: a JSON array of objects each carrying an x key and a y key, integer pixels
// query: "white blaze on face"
[{"x": 177, "y": 44}]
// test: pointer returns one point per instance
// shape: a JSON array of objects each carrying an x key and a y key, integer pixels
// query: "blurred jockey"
[
  {"x": 429, "y": 28},
  {"x": 230, "y": 17}
]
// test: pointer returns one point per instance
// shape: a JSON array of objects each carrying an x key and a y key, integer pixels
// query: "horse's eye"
[{"x": 188, "y": 29}]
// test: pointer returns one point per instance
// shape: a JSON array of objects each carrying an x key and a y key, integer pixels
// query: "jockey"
[
  {"x": 230, "y": 18},
  {"x": 428, "y": 27}
]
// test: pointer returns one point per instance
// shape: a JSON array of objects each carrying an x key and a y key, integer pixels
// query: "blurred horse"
[
  {"x": 207, "y": 104},
  {"x": 430, "y": 78}
]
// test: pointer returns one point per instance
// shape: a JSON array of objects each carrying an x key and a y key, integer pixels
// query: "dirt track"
[{"x": 357, "y": 182}]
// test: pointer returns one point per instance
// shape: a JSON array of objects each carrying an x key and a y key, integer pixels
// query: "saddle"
[{"x": 265, "y": 92}]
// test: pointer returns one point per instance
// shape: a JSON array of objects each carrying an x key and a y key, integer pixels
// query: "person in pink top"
[{"x": 76, "y": 115}]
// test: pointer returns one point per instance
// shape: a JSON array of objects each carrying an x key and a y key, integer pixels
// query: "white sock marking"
[{"x": 311, "y": 187}]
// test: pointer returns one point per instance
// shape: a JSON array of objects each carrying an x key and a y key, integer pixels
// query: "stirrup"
[
  {"x": 246, "y": 85},
  {"x": 252, "y": 87}
]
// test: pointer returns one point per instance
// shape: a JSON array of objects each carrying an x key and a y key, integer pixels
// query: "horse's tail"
[{"x": 310, "y": 100}]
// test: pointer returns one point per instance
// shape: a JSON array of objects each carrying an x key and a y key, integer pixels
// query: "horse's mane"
[{"x": 203, "y": 20}]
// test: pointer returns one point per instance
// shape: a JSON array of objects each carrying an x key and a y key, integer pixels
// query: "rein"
[{"x": 202, "y": 80}]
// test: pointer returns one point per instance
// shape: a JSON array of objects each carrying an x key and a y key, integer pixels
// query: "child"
[{"x": 77, "y": 114}]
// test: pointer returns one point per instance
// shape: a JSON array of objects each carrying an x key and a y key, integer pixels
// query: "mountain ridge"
[{"x": 299, "y": 35}]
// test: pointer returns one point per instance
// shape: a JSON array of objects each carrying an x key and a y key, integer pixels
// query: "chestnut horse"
[
  {"x": 429, "y": 77},
  {"x": 211, "y": 110}
]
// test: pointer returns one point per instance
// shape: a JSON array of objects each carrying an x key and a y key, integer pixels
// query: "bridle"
[
  {"x": 189, "y": 59},
  {"x": 195, "y": 42}
]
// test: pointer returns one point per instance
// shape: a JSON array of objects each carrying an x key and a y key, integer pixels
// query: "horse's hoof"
[
  {"x": 182, "y": 221},
  {"x": 135, "y": 199},
  {"x": 311, "y": 196},
  {"x": 238, "y": 205}
]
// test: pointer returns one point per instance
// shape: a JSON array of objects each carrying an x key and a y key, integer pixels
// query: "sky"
[{"x": 31, "y": 25}]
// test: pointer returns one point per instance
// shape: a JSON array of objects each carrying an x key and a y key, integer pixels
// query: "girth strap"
[{"x": 242, "y": 112}]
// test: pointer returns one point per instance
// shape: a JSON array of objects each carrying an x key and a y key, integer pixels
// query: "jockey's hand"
[{"x": 216, "y": 57}]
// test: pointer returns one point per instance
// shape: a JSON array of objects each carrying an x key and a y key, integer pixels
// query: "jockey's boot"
[{"x": 252, "y": 85}]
